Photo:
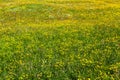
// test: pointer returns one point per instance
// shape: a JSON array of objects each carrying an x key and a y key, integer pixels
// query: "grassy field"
[{"x": 59, "y": 40}]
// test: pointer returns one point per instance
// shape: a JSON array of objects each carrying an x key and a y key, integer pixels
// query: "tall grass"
[{"x": 59, "y": 40}]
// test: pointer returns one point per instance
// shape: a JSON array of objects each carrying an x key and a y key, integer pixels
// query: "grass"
[{"x": 59, "y": 40}]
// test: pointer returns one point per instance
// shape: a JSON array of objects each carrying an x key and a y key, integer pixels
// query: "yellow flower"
[
  {"x": 20, "y": 62},
  {"x": 88, "y": 79}
]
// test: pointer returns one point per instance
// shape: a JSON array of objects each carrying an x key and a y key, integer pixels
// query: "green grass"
[{"x": 59, "y": 40}]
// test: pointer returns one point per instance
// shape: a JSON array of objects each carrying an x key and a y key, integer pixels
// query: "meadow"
[{"x": 59, "y": 40}]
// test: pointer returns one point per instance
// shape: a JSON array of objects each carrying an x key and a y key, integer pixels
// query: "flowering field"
[{"x": 59, "y": 40}]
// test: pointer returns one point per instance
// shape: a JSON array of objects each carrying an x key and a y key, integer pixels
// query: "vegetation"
[{"x": 59, "y": 40}]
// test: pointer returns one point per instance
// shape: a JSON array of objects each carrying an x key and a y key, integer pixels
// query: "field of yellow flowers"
[{"x": 59, "y": 40}]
